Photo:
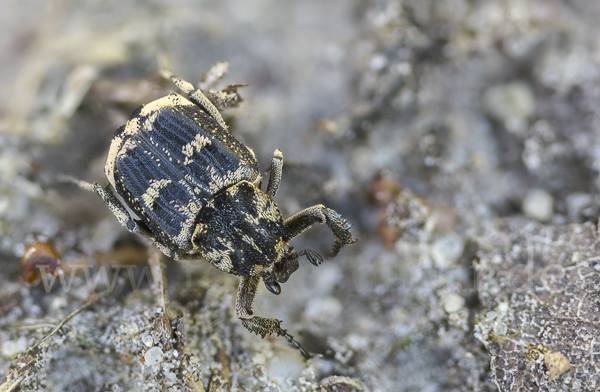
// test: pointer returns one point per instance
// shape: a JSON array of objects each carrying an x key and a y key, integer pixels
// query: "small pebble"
[
  {"x": 148, "y": 340},
  {"x": 538, "y": 204},
  {"x": 285, "y": 365},
  {"x": 58, "y": 303},
  {"x": 357, "y": 341},
  {"x": 259, "y": 359},
  {"x": 557, "y": 364},
  {"x": 453, "y": 303},
  {"x": 512, "y": 104},
  {"x": 501, "y": 329},
  {"x": 446, "y": 251},
  {"x": 322, "y": 310},
  {"x": 576, "y": 203},
  {"x": 11, "y": 348},
  {"x": 153, "y": 356}
]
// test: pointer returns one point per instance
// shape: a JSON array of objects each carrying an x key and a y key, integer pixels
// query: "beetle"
[{"x": 196, "y": 193}]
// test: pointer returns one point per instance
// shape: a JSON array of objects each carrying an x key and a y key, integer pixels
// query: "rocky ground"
[{"x": 459, "y": 138}]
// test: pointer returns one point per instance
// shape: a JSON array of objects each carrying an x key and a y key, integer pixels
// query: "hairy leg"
[
  {"x": 116, "y": 207},
  {"x": 259, "y": 325},
  {"x": 197, "y": 97},
  {"x": 133, "y": 225},
  {"x": 305, "y": 219},
  {"x": 275, "y": 174}
]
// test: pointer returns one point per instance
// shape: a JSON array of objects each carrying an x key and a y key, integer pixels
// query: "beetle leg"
[
  {"x": 275, "y": 173},
  {"x": 259, "y": 325},
  {"x": 116, "y": 207},
  {"x": 305, "y": 219},
  {"x": 312, "y": 256},
  {"x": 197, "y": 97}
]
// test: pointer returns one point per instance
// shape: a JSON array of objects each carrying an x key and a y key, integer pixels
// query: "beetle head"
[{"x": 285, "y": 266}]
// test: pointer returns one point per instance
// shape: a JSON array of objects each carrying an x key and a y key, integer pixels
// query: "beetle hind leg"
[
  {"x": 275, "y": 171},
  {"x": 260, "y": 325},
  {"x": 116, "y": 207},
  {"x": 197, "y": 97},
  {"x": 133, "y": 225},
  {"x": 305, "y": 219}
]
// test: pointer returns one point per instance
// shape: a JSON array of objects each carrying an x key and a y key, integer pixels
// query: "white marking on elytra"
[
  {"x": 196, "y": 144},
  {"x": 152, "y": 193}
]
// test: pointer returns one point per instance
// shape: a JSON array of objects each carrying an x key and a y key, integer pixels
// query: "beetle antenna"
[{"x": 80, "y": 183}]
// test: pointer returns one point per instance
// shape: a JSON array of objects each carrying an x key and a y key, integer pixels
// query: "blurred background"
[{"x": 460, "y": 138}]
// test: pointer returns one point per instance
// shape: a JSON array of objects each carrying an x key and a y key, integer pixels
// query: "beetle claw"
[
  {"x": 273, "y": 287},
  {"x": 297, "y": 346},
  {"x": 312, "y": 256}
]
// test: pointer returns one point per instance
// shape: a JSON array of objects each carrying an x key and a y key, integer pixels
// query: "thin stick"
[
  {"x": 93, "y": 298},
  {"x": 161, "y": 290},
  {"x": 6, "y": 387}
]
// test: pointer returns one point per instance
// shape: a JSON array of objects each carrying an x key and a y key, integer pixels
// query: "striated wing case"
[{"x": 171, "y": 162}]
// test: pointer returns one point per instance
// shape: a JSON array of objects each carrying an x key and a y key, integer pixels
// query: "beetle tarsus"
[
  {"x": 312, "y": 256},
  {"x": 263, "y": 326},
  {"x": 297, "y": 346}
]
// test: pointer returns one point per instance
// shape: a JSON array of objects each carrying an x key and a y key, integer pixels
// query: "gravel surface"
[{"x": 459, "y": 138}]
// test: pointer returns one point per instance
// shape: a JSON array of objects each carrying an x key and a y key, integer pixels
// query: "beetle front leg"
[
  {"x": 275, "y": 173},
  {"x": 259, "y": 325},
  {"x": 305, "y": 219}
]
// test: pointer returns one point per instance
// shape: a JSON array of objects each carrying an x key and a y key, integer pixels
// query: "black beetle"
[{"x": 196, "y": 192}]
